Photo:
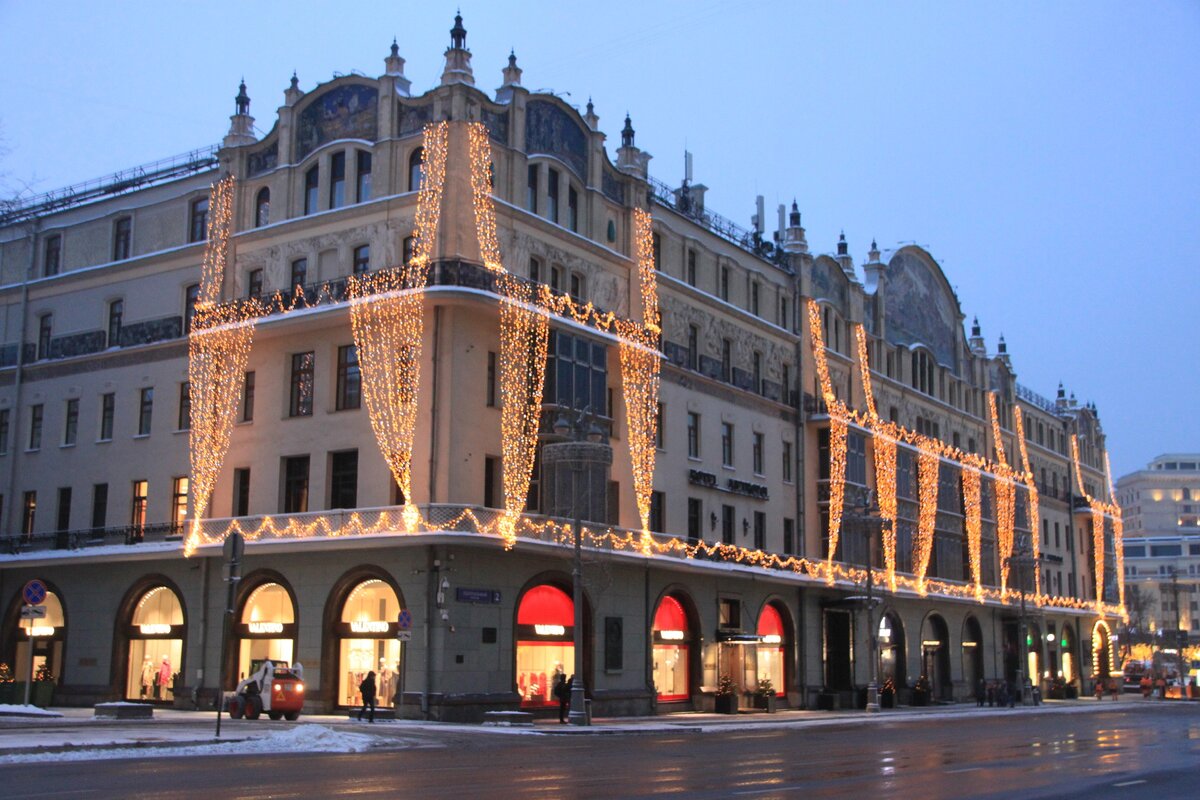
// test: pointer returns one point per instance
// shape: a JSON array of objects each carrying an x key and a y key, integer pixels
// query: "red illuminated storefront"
[
  {"x": 545, "y": 636},
  {"x": 672, "y": 641}
]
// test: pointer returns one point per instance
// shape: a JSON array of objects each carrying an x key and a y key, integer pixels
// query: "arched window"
[
  {"x": 972, "y": 653},
  {"x": 772, "y": 648},
  {"x": 367, "y": 632},
  {"x": 262, "y": 208},
  {"x": 415, "y": 169},
  {"x": 267, "y": 629},
  {"x": 155, "y": 632},
  {"x": 545, "y": 642},
  {"x": 46, "y": 635},
  {"x": 672, "y": 641},
  {"x": 935, "y": 656},
  {"x": 312, "y": 180},
  {"x": 891, "y": 651}
]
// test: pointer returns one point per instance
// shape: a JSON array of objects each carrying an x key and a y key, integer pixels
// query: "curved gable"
[
  {"x": 829, "y": 282},
  {"x": 552, "y": 130},
  {"x": 346, "y": 111},
  {"x": 920, "y": 308}
]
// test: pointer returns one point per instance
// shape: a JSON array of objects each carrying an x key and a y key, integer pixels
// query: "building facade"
[
  {"x": 724, "y": 538},
  {"x": 1162, "y": 549}
]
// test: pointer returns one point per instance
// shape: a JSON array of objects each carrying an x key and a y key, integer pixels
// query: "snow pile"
[
  {"x": 26, "y": 711},
  {"x": 298, "y": 739}
]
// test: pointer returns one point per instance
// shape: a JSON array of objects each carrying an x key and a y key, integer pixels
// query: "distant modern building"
[
  {"x": 788, "y": 383},
  {"x": 1161, "y": 508}
]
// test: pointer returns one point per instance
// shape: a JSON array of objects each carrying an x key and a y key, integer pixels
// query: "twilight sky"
[{"x": 1044, "y": 153}]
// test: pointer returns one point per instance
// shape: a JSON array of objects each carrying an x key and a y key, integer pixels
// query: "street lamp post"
[
  {"x": 866, "y": 518},
  {"x": 1022, "y": 558},
  {"x": 582, "y": 447}
]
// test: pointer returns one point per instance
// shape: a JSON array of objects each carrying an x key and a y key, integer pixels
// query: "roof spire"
[
  {"x": 458, "y": 34},
  {"x": 241, "y": 124},
  {"x": 843, "y": 248},
  {"x": 458, "y": 57},
  {"x": 242, "y": 100},
  {"x": 627, "y": 132}
]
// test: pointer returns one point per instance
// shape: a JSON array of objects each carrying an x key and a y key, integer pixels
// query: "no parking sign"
[{"x": 34, "y": 592}]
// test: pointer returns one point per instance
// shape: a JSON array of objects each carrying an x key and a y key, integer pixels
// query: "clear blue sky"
[{"x": 1044, "y": 153}]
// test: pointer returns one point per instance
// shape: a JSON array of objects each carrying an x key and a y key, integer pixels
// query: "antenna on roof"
[{"x": 687, "y": 166}]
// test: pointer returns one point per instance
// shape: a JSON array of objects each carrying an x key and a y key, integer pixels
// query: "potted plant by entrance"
[
  {"x": 726, "y": 695},
  {"x": 764, "y": 696},
  {"x": 921, "y": 692},
  {"x": 8, "y": 685},
  {"x": 887, "y": 694},
  {"x": 43, "y": 686},
  {"x": 1057, "y": 690}
]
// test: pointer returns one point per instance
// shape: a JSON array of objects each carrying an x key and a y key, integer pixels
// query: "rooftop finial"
[
  {"x": 242, "y": 99},
  {"x": 627, "y": 132},
  {"x": 295, "y": 80},
  {"x": 843, "y": 248},
  {"x": 590, "y": 108},
  {"x": 458, "y": 34},
  {"x": 975, "y": 329},
  {"x": 395, "y": 48},
  {"x": 1003, "y": 346}
]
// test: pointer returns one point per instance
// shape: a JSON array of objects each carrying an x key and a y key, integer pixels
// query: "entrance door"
[{"x": 838, "y": 644}]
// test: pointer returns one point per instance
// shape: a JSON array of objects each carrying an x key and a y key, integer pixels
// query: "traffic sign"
[
  {"x": 33, "y": 612},
  {"x": 404, "y": 636},
  {"x": 34, "y": 592},
  {"x": 404, "y": 621}
]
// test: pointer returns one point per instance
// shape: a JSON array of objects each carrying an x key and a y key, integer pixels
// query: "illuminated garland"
[
  {"x": 640, "y": 375},
  {"x": 864, "y": 369},
  {"x": 1098, "y": 509},
  {"x": 387, "y": 316},
  {"x": 218, "y": 351},
  {"x": 838, "y": 430},
  {"x": 1118, "y": 524},
  {"x": 927, "y": 492},
  {"x": 1004, "y": 504},
  {"x": 1034, "y": 512},
  {"x": 997, "y": 442},
  {"x": 884, "y": 448},
  {"x": 972, "y": 510}
]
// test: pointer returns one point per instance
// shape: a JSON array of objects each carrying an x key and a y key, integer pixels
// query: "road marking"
[
  {"x": 964, "y": 769},
  {"x": 1123, "y": 784}
]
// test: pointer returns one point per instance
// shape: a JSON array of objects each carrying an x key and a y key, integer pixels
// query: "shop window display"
[
  {"x": 267, "y": 629},
  {"x": 771, "y": 648},
  {"x": 671, "y": 636},
  {"x": 368, "y": 642},
  {"x": 46, "y": 635},
  {"x": 545, "y": 632},
  {"x": 155, "y": 646}
]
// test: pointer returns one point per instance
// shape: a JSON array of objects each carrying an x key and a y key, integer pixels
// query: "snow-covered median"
[
  {"x": 14, "y": 710},
  {"x": 297, "y": 739}
]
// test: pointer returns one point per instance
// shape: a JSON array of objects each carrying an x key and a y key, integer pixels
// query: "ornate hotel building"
[{"x": 746, "y": 554}]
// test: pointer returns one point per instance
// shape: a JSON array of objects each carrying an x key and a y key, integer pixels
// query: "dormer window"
[
  {"x": 552, "y": 195},
  {"x": 572, "y": 209},
  {"x": 363, "y": 192},
  {"x": 312, "y": 181},
  {"x": 415, "y": 169},
  {"x": 262, "y": 208},
  {"x": 337, "y": 180},
  {"x": 922, "y": 372},
  {"x": 198, "y": 227}
]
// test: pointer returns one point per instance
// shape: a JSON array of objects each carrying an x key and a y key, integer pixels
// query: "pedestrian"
[
  {"x": 1001, "y": 694},
  {"x": 1012, "y": 695},
  {"x": 1113, "y": 690},
  {"x": 562, "y": 694},
  {"x": 991, "y": 694},
  {"x": 367, "y": 690},
  {"x": 980, "y": 692},
  {"x": 1160, "y": 687},
  {"x": 1144, "y": 684},
  {"x": 1099, "y": 688}
]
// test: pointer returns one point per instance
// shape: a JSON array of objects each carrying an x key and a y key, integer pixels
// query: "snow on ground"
[
  {"x": 26, "y": 711},
  {"x": 298, "y": 739}
]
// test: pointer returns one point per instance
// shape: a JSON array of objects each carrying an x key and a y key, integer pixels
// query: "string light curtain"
[
  {"x": 838, "y": 434},
  {"x": 972, "y": 508},
  {"x": 1034, "y": 512},
  {"x": 1099, "y": 508},
  {"x": 218, "y": 351},
  {"x": 927, "y": 491},
  {"x": 640, "y": 365},
  {"x": 387, "y": 315},
  {"x": 884, "y": 455},
  {"x": 1118, "y": 525}
]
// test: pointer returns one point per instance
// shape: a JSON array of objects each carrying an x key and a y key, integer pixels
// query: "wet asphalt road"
[{"x": 1133, "y": 751}]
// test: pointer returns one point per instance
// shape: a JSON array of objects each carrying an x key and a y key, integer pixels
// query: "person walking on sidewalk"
[
  {"x": 980, "y": 692},
  {"x": 367, "y": 690}
]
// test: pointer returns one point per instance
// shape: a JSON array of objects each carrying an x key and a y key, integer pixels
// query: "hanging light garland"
[
  {"x": 218, "y": 351},
  {"x": 1118, "y": 525},
  {"x": 387, "y": 316},
  {"x": 972, "y": 510},
  {"x": 838, "y": 434},
  {"x": 1032, "y": 498},
  {"x": 884, "y": 456},
  {"x": 927, "y": 492},
  {"x": 1099, "y": 509}
]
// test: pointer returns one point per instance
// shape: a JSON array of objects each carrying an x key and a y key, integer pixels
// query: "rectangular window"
[
  {"x": 789, "y": 536},
  {"x": 52, "y": 256},
  {"x": 362, "y": 259},
  {"x": 35, "y": 426},
  {"x": 758, "y": 453},
  {"x": 191, "y": 296},
  {"x": 695, "y": 520},
  {"x": 116, "y": 313},
  {"x": 45, "y": 330},
  {"x": 787, "y": 462},
  {"x": 660, "y": 436},
  {"x": 295, "y": 484},
  {"x": 531, "y": 189},
  {"x": 312, "y": 182},
  {"x": 145, "y": 411},
  {"x": 364, "y": 176},
  {"x": 691, "y": 267},
  {"x": 577, "y": 373},
  {"x": 693, "y": 434},
  {"x": 99, "y": 505},
  {"x": 299, "y": 272},
  {"x": 785, "y": 320},
  {"x": 726, "y": 360},
  {"x": 241, "y": 492},
  {"x": 491, "y": 379},
  {"x": 71, "y": 425},
  {"x": 658, "y": 512},
  {"x": 754, "y": 298},
  {"x": 760, "y": 530},
  {"x": 552, "y": 194},
  {"x": 535, "y": 270},
  {"x": 491, "y": 466},
  {"x": 756, "y": 372},
  {"x": 724, "y": 288},
  {"x": 3, "y": 431},
  {"x": 555, "y": 277},
  {"x": 727, "y": 524},
  {"x": 693, "y": 347},
  {"x": 337, "y": 180},
  {"x": 28, "y": 513},
  {"x": 179, "y": 497},
  {"x": 141, "y": 499},
  {"x": 122, "y": 238},
  {"x": 349, "y": 380},
  {"x": 198, "y": 227},
  {"x": 572, "y": 208},
  {"x": 185, "y": 406},
  {"x": 301, "y": 397},
  {"x": 254, "y": 284},
  {"x": 343, "y": 479},
  {"x": 64, "y": 509},
  {"x": 247, "y": 398},
  {"x": 576, "y": 287},
  {"x": 108, "y": 407},
  {"x": 727, "y": 444}
]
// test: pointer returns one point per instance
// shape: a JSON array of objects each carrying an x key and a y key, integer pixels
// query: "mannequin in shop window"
[
  {"x": 148, "y": 675},
  {"x": 385, "y": 683},
  {"x": 164, "y": 679}
]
